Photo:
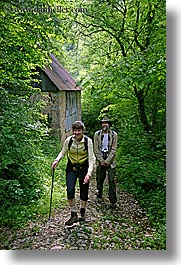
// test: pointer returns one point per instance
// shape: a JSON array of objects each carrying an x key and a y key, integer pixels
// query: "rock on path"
[{"x": 124, "y": 228}]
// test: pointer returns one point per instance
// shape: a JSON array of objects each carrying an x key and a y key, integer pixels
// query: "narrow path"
[{"x": 124, "y": 228}]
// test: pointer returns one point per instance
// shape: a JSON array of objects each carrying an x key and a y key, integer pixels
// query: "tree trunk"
[{"x": 141, "y": 109}]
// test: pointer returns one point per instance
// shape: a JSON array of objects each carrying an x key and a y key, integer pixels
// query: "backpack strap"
[
  {"x": 102, "y": 136},
  {"x": 85, "y": 143},
  {"x": 70, "y": 143},
  {"x": 99, "y": 132}
]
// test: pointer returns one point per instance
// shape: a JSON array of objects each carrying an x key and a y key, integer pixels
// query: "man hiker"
[
  {"x": 105, "y": 146},
  {"x": 79, "y": 150}
]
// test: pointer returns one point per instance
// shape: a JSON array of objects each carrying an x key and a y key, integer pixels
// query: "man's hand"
[
  {"x": 86, "y": 179},
  {"x": 103, "y": 164}
]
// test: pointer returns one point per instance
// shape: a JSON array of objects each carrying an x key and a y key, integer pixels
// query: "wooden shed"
[{"x": 64, "y": 98}]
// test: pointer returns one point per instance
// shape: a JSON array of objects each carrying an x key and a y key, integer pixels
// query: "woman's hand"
[
  {"x": 86, "y": 179},
  {"x": 54, "y": 164}
]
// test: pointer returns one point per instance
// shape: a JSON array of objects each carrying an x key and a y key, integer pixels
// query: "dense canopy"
[{"x": 116, "y": 49}]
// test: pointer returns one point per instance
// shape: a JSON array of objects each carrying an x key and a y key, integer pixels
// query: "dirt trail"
[{"x": 124, "y": 228}]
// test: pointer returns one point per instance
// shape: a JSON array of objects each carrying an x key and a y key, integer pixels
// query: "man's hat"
[{"x": 106, "y": 119}]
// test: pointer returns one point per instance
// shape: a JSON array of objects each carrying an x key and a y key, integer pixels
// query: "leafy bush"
[
  {"x": 141, "y": 171},
  {"x": 20, "y": 140},
  {"x": 21, "y": 204}
]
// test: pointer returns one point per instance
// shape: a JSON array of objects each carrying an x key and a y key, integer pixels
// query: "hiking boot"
[
  {"x": 73, "y": 219},
  {"x": 82, "y": 218},
  {"x": 82, "y": 213}
]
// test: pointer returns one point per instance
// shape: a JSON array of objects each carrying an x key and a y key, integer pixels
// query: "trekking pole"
[{"x": 53, "y": 174}]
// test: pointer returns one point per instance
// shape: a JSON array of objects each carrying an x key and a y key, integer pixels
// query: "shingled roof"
[{"x": 60, "y": 76}]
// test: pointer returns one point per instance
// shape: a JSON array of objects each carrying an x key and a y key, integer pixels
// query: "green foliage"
[
  {"x": 141, "y": 171},
  {"x": 20, "y": 140},
  {"x": 26, "y": 38},
  {"x": 119, "y": 58},
  {"x": 124, "y": 76},
  {"x": 28, "y": 204}
]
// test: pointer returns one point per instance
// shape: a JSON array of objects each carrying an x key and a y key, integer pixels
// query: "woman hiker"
[{"x": 79, "y": 150}]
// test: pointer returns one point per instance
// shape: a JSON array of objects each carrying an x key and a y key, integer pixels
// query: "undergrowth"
[{"x": 19, "y": 212}]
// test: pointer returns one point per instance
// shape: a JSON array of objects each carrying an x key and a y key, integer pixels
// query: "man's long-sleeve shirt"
[{"x": 112, "y": 147}]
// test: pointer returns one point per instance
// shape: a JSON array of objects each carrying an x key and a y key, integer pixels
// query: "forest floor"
[{"x": 123, "y": 228}]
